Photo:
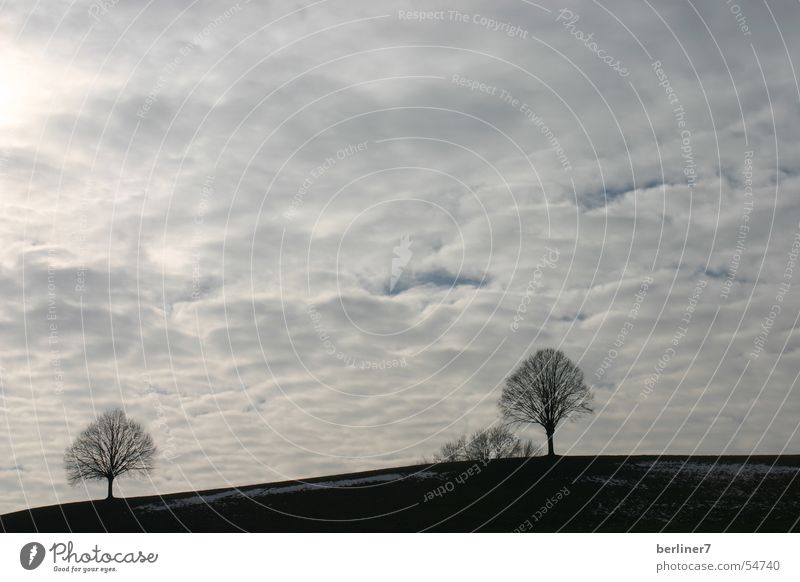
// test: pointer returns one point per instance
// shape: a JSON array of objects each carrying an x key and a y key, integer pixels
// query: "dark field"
[{"x": 574, "y": 494}]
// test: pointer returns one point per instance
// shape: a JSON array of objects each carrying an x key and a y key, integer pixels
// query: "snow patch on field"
[
  {"x": 229, "y": 494},
  {"x": 604, "y": 481},
  {"x": 694, "y": 468}
]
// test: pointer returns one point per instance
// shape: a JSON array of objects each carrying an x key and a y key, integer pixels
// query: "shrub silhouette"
[{"x": 485, "y": 444}]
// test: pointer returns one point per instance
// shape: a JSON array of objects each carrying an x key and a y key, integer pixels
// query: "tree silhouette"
[
  {"x": 109, "y": 447},
  {"x": 545, "y": 389},
  {"x": 485, "y": 444}
]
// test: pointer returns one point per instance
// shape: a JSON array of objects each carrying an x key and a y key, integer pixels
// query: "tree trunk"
[
  {"x": 550, "y": 451},
  {"x": 110, "y": 488}
]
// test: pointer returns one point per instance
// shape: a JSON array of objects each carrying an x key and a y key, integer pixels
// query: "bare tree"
[
  {"x": 545, "y": 389},
  {"x": 452, "y": 451},
  {"x": 485, "y": 444},
  {"x": 109, "y": 447}
]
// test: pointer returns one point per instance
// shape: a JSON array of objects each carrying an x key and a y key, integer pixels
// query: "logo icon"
[
  {"x": 402, "y": 255},
  {"x": 31, "y": 555}
]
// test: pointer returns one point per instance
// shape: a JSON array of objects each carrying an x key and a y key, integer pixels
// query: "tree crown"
[
  {"x": 111, "y": 446},
  {"x": 546, "y": 388}
]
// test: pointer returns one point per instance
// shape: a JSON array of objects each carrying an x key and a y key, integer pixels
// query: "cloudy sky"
[{"x": 302, "y": 238}]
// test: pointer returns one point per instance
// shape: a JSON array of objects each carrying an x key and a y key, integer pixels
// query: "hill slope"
[{"x": 646, "y": 493}]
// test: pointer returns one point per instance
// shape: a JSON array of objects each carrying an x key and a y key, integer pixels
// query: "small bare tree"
[
  {"x": 485, "y": 444},
  {"x": 545, "y": 389},
  {"x": 109, "y": 447}
]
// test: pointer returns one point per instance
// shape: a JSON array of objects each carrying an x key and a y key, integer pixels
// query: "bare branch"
[{"x": 485, "y": 444}]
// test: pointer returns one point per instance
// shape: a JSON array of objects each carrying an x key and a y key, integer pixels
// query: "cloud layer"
[{"x": 308, "y": 238}]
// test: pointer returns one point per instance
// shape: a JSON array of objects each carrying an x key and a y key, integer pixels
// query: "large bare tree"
[
  {"x": 109, "y": 447},
  {"x": 545, "y": 389}
]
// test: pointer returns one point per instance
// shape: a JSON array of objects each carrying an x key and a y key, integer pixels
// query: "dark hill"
[{"x": 644, "y": 493}]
